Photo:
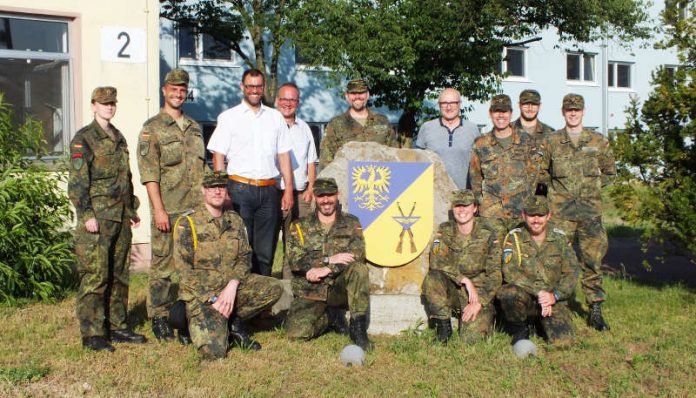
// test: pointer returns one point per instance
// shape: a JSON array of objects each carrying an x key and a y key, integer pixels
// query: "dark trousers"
[{"x": 259, "y": 207}]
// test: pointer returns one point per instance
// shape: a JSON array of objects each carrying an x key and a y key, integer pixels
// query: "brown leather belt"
[{"x": 259, "y": 183}]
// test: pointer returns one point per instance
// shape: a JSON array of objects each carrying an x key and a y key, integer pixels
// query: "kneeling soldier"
[
  {"x": 326, "y": 254},
  {"x": 464, "y": 272},
  {"x": 540, "y": 272},
  {"x": 213, "y": 257}
]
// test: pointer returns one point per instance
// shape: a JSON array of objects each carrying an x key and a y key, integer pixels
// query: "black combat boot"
[
  {"x": 97, "y": 343},
  {"x": 161, "y": 328},
  {"x": 519, "y": 331},
  {"x": 358, "y": 332},
  {"x": 337, "y": 320},
  {"x": 127, "y": 336},
  {"x": 239, "y": 336},
  {"x": 596, "y": 320},
  {"x": 443, "y": 327},
  {"x": 178, "y": 320}
]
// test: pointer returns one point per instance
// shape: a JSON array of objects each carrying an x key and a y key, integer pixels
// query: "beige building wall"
[{"x": 94, "y": 27}]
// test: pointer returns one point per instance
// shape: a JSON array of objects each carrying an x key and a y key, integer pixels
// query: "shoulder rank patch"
[
  {"x": 559, "y": 231},
  {"x": 144, "y": 148}
]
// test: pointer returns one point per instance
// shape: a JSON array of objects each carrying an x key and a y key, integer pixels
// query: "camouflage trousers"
[
  {"x": 300, "y": 208},
  {"x": 590, "y": 239},
  {"x": 308, "y": 318},
  {"x": 519, "y": 306},
  {"x": 102, "y": 266},
  {"x": 209, "y": 329},
  {"x": 443, "y": 299},
  {"x": 160, "y": 295}
]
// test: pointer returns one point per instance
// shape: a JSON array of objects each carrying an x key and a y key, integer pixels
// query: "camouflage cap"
[
  {"x": 536, "y": 205},
  {"x": 462, "y": 197},
  {"x": 104, "y": 95},
  {"x": 573, "y": 101},
  {"x": 177, "y": 77},
  {"x": 357, "y": 86},
  {"x": 325, "y": 186},
  {"x": 214, "y": 179},
  {"x": 500, "y": 102},
  {"x": 530, "y": 97}
]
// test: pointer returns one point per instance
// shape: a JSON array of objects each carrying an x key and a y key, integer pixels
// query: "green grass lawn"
[{"x": 649, "y": 352}]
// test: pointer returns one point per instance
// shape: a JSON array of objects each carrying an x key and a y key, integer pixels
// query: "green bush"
[{"x": 35, "y": 248}]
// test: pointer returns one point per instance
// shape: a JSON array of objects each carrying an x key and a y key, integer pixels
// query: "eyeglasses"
[
  {"x": 253, "y": 86},
  {"x": 216, "y": 188},
  {"x": 448, "y": 103},
  {"x": 290, "y": 100}
]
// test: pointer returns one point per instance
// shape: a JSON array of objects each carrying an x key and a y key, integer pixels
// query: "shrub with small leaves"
[{"x": 35, "y": 246}]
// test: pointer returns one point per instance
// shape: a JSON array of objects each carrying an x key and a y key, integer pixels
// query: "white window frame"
[
  {"x": 614, "y": 65},
  {"x": 199, "y": 60},
  {"x": 504, "y": 69},
  {"x": 67, "y": 114},
  {"x": 582, "y": 81}
]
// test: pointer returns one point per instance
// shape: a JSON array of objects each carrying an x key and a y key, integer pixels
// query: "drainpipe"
[{"x": 605, "y": 87}]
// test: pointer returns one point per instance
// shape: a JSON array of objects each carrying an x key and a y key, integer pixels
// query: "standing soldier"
[
  {"x": 504, "y": 166},
  {"x": 540, "y": 272},
  {"x": 530, "y": 102},
  {"x": 464, "y": 272},
  {"x": 580, "y": 163},
  {"x": 101, "y": 190},
  {"x": 171, "y": 158},
  {"x": 358, "y": 123},
  {"x": 213, "y": 259},
  {"x": 326, "y": 254}
]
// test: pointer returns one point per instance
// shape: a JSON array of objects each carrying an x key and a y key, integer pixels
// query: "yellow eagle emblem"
[{"x": 371, "y": 186}]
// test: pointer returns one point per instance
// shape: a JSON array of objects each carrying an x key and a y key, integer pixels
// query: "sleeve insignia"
[
  {"x": 77, "y": 161},
  {"x": 559, "y": 231},
  {"x": 435, "y": 248},
  {"x": 144, "y": 148},
  {"x": 507, "y": 255}
]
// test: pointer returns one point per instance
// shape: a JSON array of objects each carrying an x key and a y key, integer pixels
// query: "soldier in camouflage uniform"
[
  {"x": 326, "y": 254},
  {"x": 358, "y": 123},
  {"x": 171, "y": 158},
  {"x": 580, "y": 163},
  {"x": 464, "y": 272},
  {"x": 213, "y": 259},
  {"x": 530, "y": 102},
  {"x": 504, "y": 166},
  {"x": 540, "y": 272},
  {"x": 101, "y": 190}
]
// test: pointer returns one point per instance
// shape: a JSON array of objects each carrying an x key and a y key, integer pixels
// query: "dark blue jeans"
[{"x": 259, "y": 207}]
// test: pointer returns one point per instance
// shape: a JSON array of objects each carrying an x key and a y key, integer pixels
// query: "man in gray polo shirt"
[{"x": 450, "y": 136}]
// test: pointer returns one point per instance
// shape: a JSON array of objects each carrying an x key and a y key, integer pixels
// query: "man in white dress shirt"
[
  {"x": 254, "y": 140},
  {"x": 303, "y": 157}
]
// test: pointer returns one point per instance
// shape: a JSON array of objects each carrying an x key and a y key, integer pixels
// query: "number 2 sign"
[{"x": 120, "y": 44}]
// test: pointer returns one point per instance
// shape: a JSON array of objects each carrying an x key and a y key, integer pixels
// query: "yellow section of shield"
[{"x": 403, "y": 230}]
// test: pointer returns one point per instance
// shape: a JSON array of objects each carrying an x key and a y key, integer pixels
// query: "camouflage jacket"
[
  {"x": 577, "y": 174},
  {"x": 209, "y": 252},
  {"x": 476, "y": 257},
  {"x": 308, "y": 244},
  {"x": 502, "y": 178},
  {"x": 343, "y": 128},
  {"x": 542, "y": 130},
  {"x": 173, "y": 158},
  {"x": 552, "y": 267},
  {"x": 100, "y": 183}
]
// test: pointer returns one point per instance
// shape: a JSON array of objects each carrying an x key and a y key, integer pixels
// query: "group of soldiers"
[{"x": 212, "y": 229}]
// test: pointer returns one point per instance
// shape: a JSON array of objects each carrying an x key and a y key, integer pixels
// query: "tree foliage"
[
  {"x": 656, "y": 153},
  {"x": 409, "y": 49},
  {"x": 35, "y": 250}
]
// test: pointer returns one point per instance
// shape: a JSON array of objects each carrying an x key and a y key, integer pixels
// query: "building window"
[
  {"x": 35, "y": 75},
  {"x": 580, "y": 67},
  {"x": 514, "y": 61},
  {"x": 202, "y": 47},
  {"x": 680, "y": 10},
  {"x": 619, "y": 75}
]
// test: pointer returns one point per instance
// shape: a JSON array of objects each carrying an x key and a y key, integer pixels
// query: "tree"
[
  {"x": 409, "y": 49},
  {"x": 232, "y": 22},
  {"x": 35, "y": 248},
  {"x": 656, "y": 153}
]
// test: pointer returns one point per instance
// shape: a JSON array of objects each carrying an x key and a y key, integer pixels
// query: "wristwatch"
[{"x": 325, "y": 260}]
